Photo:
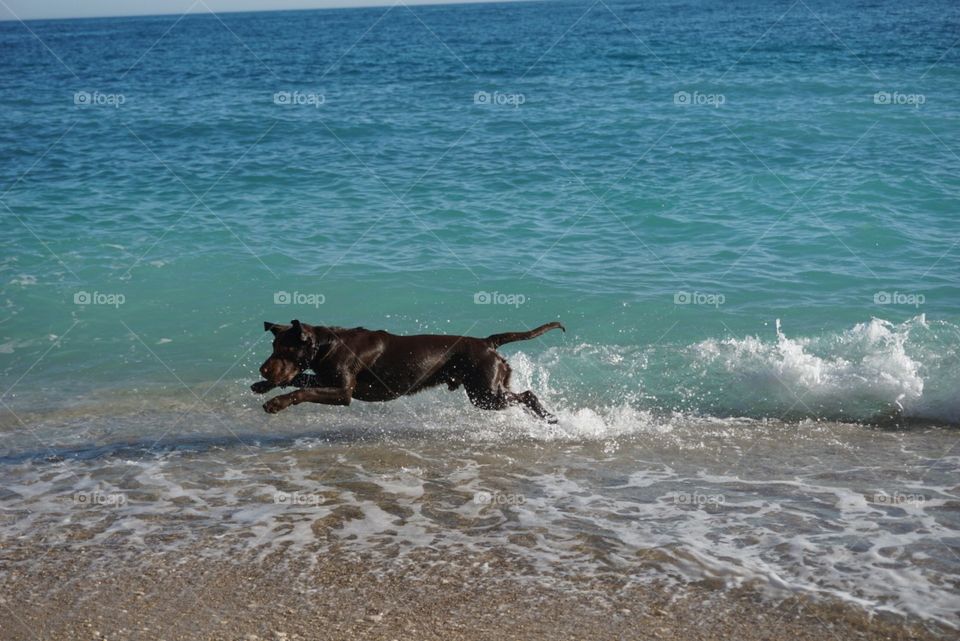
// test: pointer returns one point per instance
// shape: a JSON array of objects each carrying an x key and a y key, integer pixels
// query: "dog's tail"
[{"x": 496, "y": 340}]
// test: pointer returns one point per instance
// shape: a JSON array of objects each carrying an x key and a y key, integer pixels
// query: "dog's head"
[{"x": 294, "y": 346}]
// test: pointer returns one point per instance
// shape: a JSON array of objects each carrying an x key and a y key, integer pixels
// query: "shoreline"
[{"x": 66, "y": 593}]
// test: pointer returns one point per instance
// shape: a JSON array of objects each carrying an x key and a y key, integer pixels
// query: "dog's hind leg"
[
  {"x": 501, "y": 400},
  {"x": 529, "y": 400},
  {"x": 487, "y": 400},
  {"x": 491, "y": 391}
]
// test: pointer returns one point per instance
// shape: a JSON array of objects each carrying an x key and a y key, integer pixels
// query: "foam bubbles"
[{"x": 872, "y": 370}]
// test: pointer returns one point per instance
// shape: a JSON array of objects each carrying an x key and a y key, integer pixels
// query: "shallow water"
[{"x": 821, "y": 508}]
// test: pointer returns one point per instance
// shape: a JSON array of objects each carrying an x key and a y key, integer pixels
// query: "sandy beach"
[{"x": 56, "y": 593}]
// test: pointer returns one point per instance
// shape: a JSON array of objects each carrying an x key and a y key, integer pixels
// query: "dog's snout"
[
  {"x": 269, "y": 371},
  {"x": 278, "y": 371}
]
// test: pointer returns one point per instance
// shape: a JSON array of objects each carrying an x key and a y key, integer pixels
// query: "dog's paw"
[
  {"x": 261, "y": 387},
  {"x": 275, "y": 405}
]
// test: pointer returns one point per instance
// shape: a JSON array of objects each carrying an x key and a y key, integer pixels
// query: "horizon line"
[{"x": 377, "y": 4}]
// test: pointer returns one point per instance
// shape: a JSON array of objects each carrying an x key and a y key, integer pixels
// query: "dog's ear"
[
  {"x": 304, "y": 335},
  {"x": 273, "y": 327}
]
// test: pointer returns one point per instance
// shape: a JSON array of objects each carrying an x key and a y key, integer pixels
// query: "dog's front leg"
[
  {"x": 325, "y": 395},
  {"x": 301, "y": 380}
]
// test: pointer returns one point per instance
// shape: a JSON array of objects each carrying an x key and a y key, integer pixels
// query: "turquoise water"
[{"x": 745, "y": 215}]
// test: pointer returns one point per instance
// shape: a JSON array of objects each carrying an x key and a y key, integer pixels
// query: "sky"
[{"x": 44, "y": 9}]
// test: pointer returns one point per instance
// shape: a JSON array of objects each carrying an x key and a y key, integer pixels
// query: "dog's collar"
[{"x": 305, "y": 363}]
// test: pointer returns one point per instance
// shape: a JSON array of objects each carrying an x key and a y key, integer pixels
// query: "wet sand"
[{"x": 63, "y": 593}]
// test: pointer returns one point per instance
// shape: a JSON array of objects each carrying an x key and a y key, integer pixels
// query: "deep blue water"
[{"x": 601, "y": 164}]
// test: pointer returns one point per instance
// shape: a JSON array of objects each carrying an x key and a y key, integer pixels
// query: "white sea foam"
[
  {"x": 872, "y": 369},
  {"x": 663, "y": 500},
  {"x": 875, "y": 371}
]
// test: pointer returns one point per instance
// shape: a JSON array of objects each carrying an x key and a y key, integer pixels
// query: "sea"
[{"x": 744, "y": 213}]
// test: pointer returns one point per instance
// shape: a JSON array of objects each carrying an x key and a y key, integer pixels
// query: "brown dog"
[{"x": 377, "y": 366}]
